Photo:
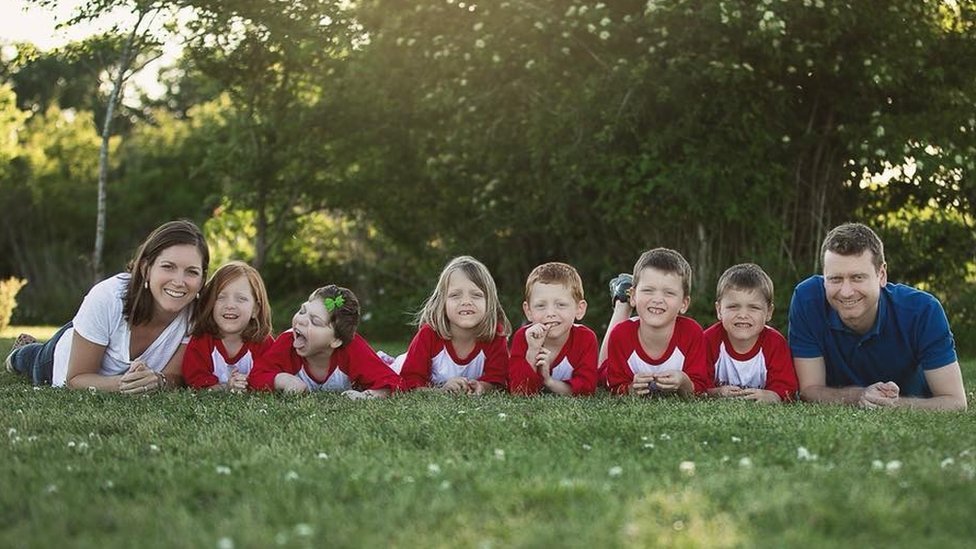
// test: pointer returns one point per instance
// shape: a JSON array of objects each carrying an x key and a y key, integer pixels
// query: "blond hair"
[
  {"x": 555, "y": 273},
  {"x": 748, "y": 277},
  {"x": 434, "y": 310}
]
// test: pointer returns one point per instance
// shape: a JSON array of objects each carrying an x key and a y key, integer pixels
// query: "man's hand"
[{"x": 880, "y": 394}]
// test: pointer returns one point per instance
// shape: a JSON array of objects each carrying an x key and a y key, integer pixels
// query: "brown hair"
[
  {"x": 665, "y": 260},
  {"x": 434, "y": 310},
  {"x": 344, "y": 318},
  {"x": 853, "y": 239},
  {"x": 137, "y": 305},
  {"x": 555, "y": 273},
  {"x": 745, "y": 276},
  {"x": 259, "y": 327}
]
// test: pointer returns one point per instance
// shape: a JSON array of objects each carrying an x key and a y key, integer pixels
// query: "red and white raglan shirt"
[
  {"x": 206, "y": 361},
  {"x": 575, "y": 363},
  {"x": 768, "y": 365},
  {"x": 355, "y": 365},
  {"x": 431, "y": 361},
  {"x": 626, "y": 357}
]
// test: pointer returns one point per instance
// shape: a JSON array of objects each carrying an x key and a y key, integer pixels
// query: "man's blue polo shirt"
[{"x": 911, "y": 334}]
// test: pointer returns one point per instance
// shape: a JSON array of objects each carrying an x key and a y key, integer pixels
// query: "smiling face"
[
  {"x": 853, "y": 288},
  {"x": 175, "y": 278},
  {"x": 555, "y": 306},
  {"x": 235, "y": 307},
  {"x": 313, "y": 330},
  {"x": 658, "y": 298},
  {"x": 743, "y": 314},
  {"x": 465, "y": 304}
]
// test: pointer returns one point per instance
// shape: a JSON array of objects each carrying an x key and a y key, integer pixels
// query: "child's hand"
[
  {"x": 289, "y": 383},
  {"x": 669, "y": 382},
  {"x": 758, "y": 395},
  {"x": 237, "y": 382},
  {"x": 543, "y": 359},
  {"x": 456, "y": 385},
  {"x": 643, "y": 384},
  {"x": 726, "y": 391},
  {"x": 535, "y": 336},
  {"x": 477, "y": 388}
]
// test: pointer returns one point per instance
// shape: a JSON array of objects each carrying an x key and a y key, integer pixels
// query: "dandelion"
[
  {"x": 225, "y": 543},
  {"x": 745, "y": 463},
  {"x": 433, "y": 469},
  {"x": 615, "y": 471},
  {"x": 687, "y": 467},
  {"x": 223, "y": 470}
]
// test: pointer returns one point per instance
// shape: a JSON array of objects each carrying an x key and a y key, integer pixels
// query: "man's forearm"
[{"x": 831, "y": 395}]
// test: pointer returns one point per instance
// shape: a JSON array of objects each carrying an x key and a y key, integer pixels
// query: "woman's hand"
[{"x": 139, "y": 379}]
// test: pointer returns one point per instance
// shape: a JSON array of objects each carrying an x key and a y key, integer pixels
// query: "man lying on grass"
[{"x": 856, "y": 339}]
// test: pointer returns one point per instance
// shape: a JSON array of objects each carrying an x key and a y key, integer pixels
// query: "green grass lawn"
[{"x": 256, "y": 470}]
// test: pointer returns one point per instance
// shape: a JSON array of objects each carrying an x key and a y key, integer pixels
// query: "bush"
[{"x": 8, "y": 299}]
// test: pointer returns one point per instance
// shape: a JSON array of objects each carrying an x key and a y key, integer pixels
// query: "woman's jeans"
[{"x": 37, "y": 359}]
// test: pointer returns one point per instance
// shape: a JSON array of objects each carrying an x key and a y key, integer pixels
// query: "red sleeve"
[
  {"x": 780, "y": 374},
  {"x": 416, "y": 366},
  {"x": 713, "y": 341},
  {"x": 583, "y": 356},
  {"x": 198, "y": 363},
  {"x": 258, "y": 348},
  {"x": 694, "y": 366},
  {"x": 496, "y": 362},
  {"x": 621, "y": 345},
  {"x": 365, "y": 369},
  {"x": 522, "y": 377},
  {"x": 277, "y": 359}
]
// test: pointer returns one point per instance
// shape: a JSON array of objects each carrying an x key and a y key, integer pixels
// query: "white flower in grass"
[
  {"x": 803, "y": 454},
  {"x": 877, "y": 465},
  {"x": 82, "y": 446},
  {"x": 665, "y": 436},
  {"x": 947, "y": 462},
  {"x": 604, "y": 35},
  {"x": 479, "y": 43},
  {"x": 445, "y": 485},
  {"x": 725, "y": 459},
  {"x": 478, "y": 26},
  {"x": 11, "y": 432},
  {"x": 745, "y": 463},
  {"x": 502, "y": 415},
  {"x": 687, "y": 467},
  {"x": 109, "y": 484},
  {"x": 644, "y": 438},
  {"x": 281, "y": 538},
  {"x": 32, "y": 438},
  {"x": 153, "y": 448},
  {"x": 587, "y": 447},
  {"x": 51, "y": 488},
  {"x": 615, "y": 471},
  {"x": 892, "y": 467},
  {"x": 225, "y": 543},
  {"x": 322, "y": 455},
  {"x": 408, "y": 479},
  {"x": 433, "y": 469},
  {"x": 736, "y": 439},
  {"x": 291, "y": 475},
  {"x": 303, "y": 530},
  {"x": 605, "y": 21},
  {"x": 223, "y": 470},
  {"x": 71, "y": 444},
  {"x": 499, "y": 453},
  {"x": 648, "y": 445}
]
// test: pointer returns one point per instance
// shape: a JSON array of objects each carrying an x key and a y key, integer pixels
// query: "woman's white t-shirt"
[{"x": 100, "y": 321}]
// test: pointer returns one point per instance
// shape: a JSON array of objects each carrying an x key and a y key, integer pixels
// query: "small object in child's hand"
[{"x": 652, "y": 385}]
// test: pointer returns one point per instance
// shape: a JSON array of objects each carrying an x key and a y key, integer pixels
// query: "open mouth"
[
  {"x": 230, "y": 316},
  {"x": 175, "y": 294},
  {"x": 300, "y": 340}
]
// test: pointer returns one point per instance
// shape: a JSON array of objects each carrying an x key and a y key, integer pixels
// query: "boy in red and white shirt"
[
  {"x": 323, "y": 352},
  {"x": 746, "y": 358},
  {"x": 553, "y": 353},
  {"x": 658, "y": 351}
]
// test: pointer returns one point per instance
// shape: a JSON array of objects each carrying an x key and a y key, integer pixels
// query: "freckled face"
[
  {"x": 555, "y": 306},
  {"x": 234, "y": 307},
  {"x": 465, "y": 303},
  {"x": 658, "y": 298}
]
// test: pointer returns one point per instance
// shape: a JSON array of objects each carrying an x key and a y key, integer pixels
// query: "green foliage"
[
  {"x": 8, "y": 299},
  {"x": 426, "y": 470}
]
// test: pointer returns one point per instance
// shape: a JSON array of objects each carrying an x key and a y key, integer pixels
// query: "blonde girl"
[{"x": 461, "y": 345}]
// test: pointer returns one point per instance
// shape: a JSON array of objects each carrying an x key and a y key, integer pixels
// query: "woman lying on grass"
[{"x": 130, "y": 333}]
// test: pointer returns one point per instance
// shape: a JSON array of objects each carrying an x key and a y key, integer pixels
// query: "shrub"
[{"x": 8, "y": 298}]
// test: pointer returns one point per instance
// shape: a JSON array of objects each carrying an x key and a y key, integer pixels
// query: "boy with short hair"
[
  {"x": 553, "y": 353},
  {"x": 746, "y": 358},
  {"x": 659, "y": 351}
]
